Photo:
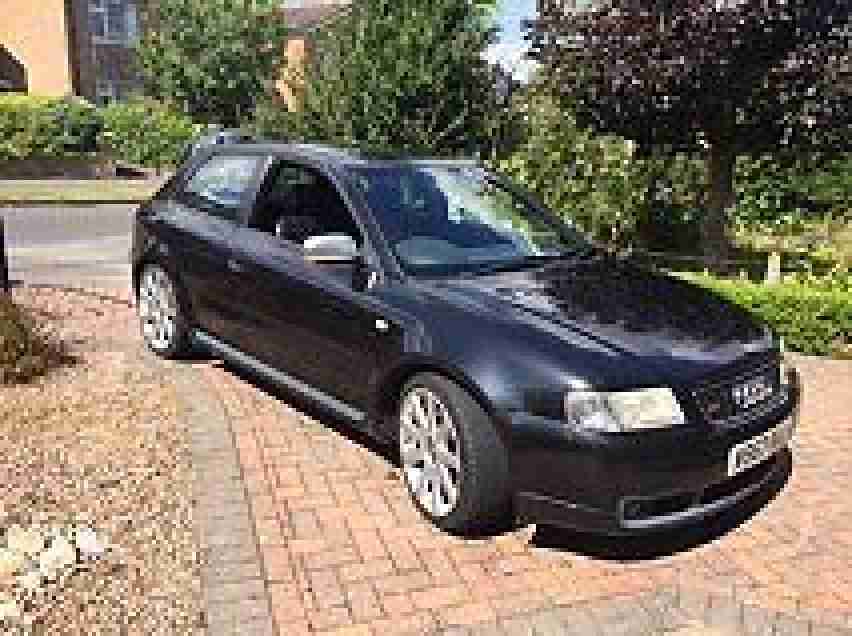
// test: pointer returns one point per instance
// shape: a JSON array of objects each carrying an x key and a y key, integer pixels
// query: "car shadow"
[
  {"x": 327, "y": 417},
  {"x": 661, "y": 544}
]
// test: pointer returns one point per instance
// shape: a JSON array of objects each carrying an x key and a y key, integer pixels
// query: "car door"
[
  {"x": 196, "y": 224},
  {"x": 311, "y": 320}
]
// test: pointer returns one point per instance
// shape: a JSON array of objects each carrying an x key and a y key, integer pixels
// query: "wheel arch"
[{"x": 391, "y": 385}]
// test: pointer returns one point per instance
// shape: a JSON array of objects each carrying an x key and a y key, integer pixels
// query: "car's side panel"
[
  {"x": 199, "y": 247},
  {"x": 296, "y": 318}
]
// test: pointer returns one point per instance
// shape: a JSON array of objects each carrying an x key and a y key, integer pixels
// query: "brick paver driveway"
[{"x": 343, "y": 549}]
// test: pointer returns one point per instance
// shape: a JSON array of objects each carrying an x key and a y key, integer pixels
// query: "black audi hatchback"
[{"x": 519, "y": 369}]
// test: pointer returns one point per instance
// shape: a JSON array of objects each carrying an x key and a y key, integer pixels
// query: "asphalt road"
[{"x": 77, "y": 246}]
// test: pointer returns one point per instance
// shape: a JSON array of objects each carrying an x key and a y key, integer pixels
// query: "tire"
[
  {"x": 482, "y": 498},
  {"x": 163, "y": 318}
]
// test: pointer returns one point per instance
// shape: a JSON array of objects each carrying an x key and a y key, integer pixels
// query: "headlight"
[{"x": 623, "y": 411}]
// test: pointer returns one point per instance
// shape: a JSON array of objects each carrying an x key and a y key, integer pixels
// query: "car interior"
[{"x": 295, "y": 204}]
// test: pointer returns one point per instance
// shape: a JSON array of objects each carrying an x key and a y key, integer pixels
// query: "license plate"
[{"x": 758, "y": 449}]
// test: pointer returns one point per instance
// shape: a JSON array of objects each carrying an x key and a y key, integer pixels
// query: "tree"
[
  {"x": 723, "y": 78},
  {"x": 402, "y": 76},
  {"x": 593, "y": 180},
  {"x": 212, "y": 58}
]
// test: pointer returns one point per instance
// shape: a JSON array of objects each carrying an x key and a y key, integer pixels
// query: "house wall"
[
  {"x": 296, "y": 51},
  {"x": 36, "y": 33}
]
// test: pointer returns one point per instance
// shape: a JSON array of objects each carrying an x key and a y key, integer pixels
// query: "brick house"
[
  {"x": 69, "y": 47},
  {"x": 303, "y": 17},
  {"x": 85, "y": 47}
]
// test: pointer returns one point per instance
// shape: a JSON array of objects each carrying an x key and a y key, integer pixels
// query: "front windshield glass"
[{"x": 449, "y": 219}]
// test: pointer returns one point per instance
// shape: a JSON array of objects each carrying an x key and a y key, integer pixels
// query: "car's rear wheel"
[
  {"x": 454, "y": 463},
  {"x": 161, "y": 313}
]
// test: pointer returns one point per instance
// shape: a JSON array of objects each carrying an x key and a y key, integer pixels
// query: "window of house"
[
  {"x": 113, "y": 21},
  {"x": 110, "y": 86}
]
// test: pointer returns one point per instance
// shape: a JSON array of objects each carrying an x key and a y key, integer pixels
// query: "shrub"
[
  {"x": 46, "y": 127},
  {"x": 27, "y": 350},
  {"x": 146, "y": 133},
  {"x": 813, "y": 321},
  {"x": 778, "y": 194}
]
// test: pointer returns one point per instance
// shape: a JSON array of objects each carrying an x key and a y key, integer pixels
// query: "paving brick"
[
  {"x": 369, "y": 545},
  {"x": 287, "y": 603},
  {"x": 469, "y": 614},
  {"x": 269, "y": 531},
  {"x": 278, "y": 563},
  {"x": 434, "y": 598},
  {"x": 366, "y": 570},
  {"x": 234, "y": 592},
  {"x": 403, "y": 554},
  {"x": 328, "y": 618},
  {"x": 326, "y": 588},
  {"x": 363, "y": 601},
  {"x": 397, "y": 604},
  {"x": 410, "y": 625},
  {"x": 350, "y": 630},
  {"x": 399, "y": 583},
  {"x": 336, "y": 557},
  {"x": 306, "y": 546},
  {"x": 440, "y": 567}
]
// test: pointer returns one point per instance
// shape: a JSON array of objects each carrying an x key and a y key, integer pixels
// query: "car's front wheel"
[
  {"x": 162, "y": 315},
  {"x": 454, "y": 463}
]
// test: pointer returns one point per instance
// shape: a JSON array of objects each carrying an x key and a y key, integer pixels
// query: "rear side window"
[{"x": 219, "y": 187}]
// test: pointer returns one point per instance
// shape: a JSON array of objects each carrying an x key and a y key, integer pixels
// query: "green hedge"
[
  {"x": 812, "y": 321},
  {"x": 139, "y": 132},
  {"x": 46, "y": 127},
  {"x": 146, "y": 133}
]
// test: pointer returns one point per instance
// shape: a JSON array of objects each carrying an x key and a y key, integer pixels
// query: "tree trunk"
[{"x": 721, "y": 198}]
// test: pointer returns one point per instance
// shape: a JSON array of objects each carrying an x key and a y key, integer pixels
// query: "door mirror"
[{"x": 331, "y": 248}]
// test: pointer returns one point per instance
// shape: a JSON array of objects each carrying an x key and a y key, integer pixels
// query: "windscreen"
[{"x": 446, "y": 219}]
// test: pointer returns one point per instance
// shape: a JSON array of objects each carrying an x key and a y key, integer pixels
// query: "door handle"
[{"x": 235, "y": 266}]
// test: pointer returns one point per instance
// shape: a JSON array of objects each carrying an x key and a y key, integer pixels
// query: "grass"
[{"x": 58, "y": 191}]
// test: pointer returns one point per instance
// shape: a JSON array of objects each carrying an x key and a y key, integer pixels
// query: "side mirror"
[{"x": 331, "y": 248}]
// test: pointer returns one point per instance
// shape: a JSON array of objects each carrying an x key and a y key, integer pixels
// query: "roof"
[
  {"x": 348, "y": 156},
  {"x": 311, "y": 14},
  {"x": 311, "y": 151}
]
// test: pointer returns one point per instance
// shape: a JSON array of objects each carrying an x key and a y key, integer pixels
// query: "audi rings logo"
[{"x": 752, "y": 392}]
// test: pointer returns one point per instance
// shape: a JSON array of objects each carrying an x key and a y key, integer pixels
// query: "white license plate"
[{"x": 758, "y": 449}]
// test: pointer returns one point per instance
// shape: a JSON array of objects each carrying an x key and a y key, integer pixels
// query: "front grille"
[{"x": 712, "y": 400}]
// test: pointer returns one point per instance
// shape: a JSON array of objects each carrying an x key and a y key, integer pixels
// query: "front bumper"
[{"x": 625, "y": 484}]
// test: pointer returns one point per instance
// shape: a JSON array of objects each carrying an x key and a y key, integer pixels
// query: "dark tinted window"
[
  {"x": 220, "y": 185},
  {"x": 296, "y": 203}
]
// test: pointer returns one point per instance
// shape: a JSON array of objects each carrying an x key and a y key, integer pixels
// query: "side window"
[
  {"x": 220, "y": 185},
  {"x": 296, "y": 203}
]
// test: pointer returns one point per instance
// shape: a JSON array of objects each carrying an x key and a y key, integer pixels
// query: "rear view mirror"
[{"x": 331, "y": 248}]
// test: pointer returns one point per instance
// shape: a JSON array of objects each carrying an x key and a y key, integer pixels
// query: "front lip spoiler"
[
  {"x": 538, "y": 508},
  {"x": 695, "y": 513}
]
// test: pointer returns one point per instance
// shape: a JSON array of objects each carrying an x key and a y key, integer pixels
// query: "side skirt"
[{"x": 236, "y": 356}]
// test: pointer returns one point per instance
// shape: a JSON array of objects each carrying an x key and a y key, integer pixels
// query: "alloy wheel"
[
  {"x": 158, "y": 309},
  {"x": 430, "y": 449}
]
